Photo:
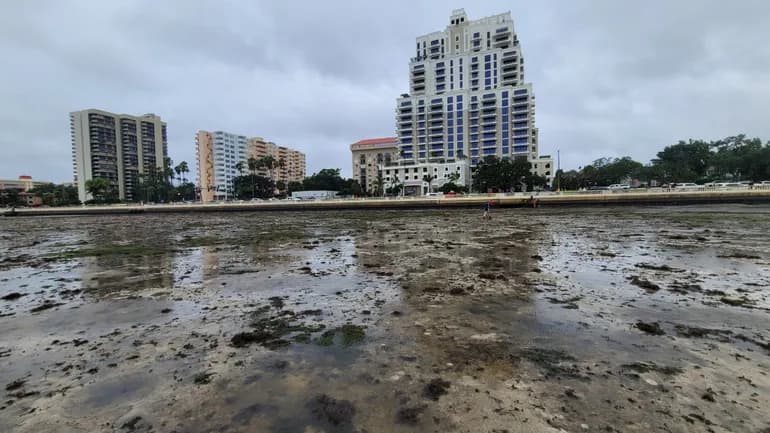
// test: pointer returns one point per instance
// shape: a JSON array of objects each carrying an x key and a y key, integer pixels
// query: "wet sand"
[{"x": 540, "y": 320}]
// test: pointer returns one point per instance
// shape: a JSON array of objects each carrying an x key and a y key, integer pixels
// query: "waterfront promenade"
[{"x": 543, "y": 199}]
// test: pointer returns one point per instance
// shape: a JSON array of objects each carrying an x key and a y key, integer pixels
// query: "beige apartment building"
[
  {"x": 219, "y": 153},
  {"x": 116, "y": 147},
  {"x": 291, "y": 170},
  {"x": 370, "y": 156}
]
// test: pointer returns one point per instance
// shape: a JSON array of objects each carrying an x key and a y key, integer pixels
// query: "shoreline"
[{"x": 499, "y": 200}]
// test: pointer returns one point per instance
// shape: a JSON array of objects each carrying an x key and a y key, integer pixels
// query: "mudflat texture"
[{"x": 539, "y": 320}]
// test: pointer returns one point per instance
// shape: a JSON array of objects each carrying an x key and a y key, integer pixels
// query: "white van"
[
  {"x": 620, "y": 186},
  {"x": 688, "y": 185}
]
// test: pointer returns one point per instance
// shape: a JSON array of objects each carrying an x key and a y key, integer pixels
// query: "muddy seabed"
[{"x": 541, "y": 320}]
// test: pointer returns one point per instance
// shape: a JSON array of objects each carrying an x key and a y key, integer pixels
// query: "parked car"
[
  {"x": 731, "y": 185},
  {"x": 687, "y": 185},
  {"x": 619, "y": 186}
]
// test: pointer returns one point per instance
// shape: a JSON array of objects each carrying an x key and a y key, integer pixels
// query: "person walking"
[{"x": 487, "y": 208}]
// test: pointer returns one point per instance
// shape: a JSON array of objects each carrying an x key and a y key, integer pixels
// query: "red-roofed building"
[{"x": 369, "y": 158}]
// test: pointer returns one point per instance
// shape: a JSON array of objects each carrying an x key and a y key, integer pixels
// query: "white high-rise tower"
[{"x": 468, "y": 95}]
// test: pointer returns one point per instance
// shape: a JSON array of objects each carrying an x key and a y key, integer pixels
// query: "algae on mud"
[{"x": 396, "y": 321}]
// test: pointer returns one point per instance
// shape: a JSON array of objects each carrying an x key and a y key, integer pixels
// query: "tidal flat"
[{"x": 613, "y": 319}]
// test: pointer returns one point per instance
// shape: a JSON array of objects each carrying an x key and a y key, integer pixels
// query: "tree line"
[{"x": 734, "y": 158}]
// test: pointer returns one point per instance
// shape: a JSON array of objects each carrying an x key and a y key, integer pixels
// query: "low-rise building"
[
  {"x": 412, "y": 175},
  {"x": 543, "y": 166},
  {"x": 369, "y": 157},
  {"x": 22, "y": 186},
  {"x": 23, "y": 183}
]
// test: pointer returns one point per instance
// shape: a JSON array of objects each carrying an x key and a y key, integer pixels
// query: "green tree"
[
  {"x": 10, "y": 197},
  {"x": 395, "y": 189},
  {"x": 101, "y": 190},
  {"x": 453, "y": 187},
  {"x": 240, "y": 166},
  {"x": 327, "y": 179},
  {"x": 379, "y": 184},
  {"x": 684, "y": 161},
  {"x": 181, "y": 169},
  {"x": 269, "y": 163},
  {"x": 253, "y": 186},
  {"x": 351, "y": 187},
  {"x": 294, "y": 186},
  {"x": 178, "y": 171}
]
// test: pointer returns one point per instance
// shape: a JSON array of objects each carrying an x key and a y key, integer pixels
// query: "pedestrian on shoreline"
[{"x": 487, "y": 208}]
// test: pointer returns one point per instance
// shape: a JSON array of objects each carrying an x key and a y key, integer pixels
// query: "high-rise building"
[
  {"x": 217, "y": 157},
  {"x": 468, "y": 95},
  {"x": 219, "y": 154},
  {"x": 290, "y": 163},
  {"x": 370, "y": 156},
  {"x": 116, "y": 147}
]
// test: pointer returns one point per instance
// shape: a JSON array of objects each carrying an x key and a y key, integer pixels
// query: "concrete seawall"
[{"x": 476, "y": 201}]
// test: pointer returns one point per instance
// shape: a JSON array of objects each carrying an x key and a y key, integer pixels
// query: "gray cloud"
[{"x": 611, "y": 78}]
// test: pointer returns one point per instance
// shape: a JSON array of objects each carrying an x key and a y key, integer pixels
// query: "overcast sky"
[{"x": 612, "y": 78}]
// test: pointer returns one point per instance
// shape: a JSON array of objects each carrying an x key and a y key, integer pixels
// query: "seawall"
[{"x": 474, "y": 201}]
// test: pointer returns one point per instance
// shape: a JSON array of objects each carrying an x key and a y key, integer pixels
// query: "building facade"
[
  {"x": 292, "y": 169},
  {"x": 22, "y": 186},
  {"x": 543, "y": 166},
  {"x": 370, "y": 156},
  {"x": 219, "y": 153},
  {"x": 412, "y": 176},
  {"x": 468, "y": 96},
  {"x": 116, "y": 147},
  {"x": 23, "y": 183}
]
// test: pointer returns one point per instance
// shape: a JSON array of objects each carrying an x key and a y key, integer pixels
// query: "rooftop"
[{"x": 375, "y": 143}]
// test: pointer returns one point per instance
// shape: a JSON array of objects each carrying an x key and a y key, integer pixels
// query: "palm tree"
[
  {"x": 281, "y": 164},
  {"x": 184, "y": 169},
  {"x": 99, "y": 188},
  {"x": 178, "y": 170},
  {"x": 428, "y": 178},
  {"x": 379, "y": 184},
  {"x": 253, "y": 165},
  {"x": 240, "y": 165},
  {"x": 269, "y": 162}
]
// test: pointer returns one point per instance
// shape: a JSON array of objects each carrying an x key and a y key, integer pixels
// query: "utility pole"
[{"x": 558, "y": 170}]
